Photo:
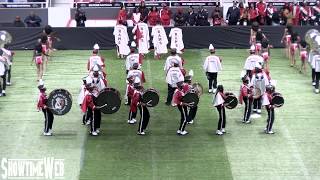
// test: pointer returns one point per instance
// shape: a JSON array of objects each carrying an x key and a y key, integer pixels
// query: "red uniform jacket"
[
  {"x": 135, "y": 101},
  {"x": 153, "y": 17},
  {"x": 42, "y": 100},
  {"x": 245, "y": 91},
  {"x": 130, "y": 90},
  {"x": 165, "y": 15},
  {"x": 87, "y": 103},
  {"x": 177, "y": 97}
]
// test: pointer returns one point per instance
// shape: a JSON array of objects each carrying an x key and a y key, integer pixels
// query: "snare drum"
[
  {"x": 231, "y": 100},
  {"x": 59, "y": 102},
  {"x": 277, "y": 99},
  {"x": 191, "y": 98},
  {"x": 108, "y": 100},
  {"x": 150, "y": 97}
]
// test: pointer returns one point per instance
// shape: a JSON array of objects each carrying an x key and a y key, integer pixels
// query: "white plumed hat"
[
  {"x": 133, "y": 44},
  {"x": 211, "y": 48},
  {"x": 96, "y": 46}
]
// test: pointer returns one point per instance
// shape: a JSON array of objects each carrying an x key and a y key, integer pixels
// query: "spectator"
[
  {"x": 80, "y": 18},
  {"x": 233, "y": 14},
  {"x": 253, "y": 13},
  {"x": 136, "y": 16},
  {"x": 179, "y": 18},
  {"x": 261, "y": 7},
  {"x": 18, "y": 23},
  {"x": 286, "y": 15},
  {"x": 122, "y": 15},
  {"x": 153, "y": 16},
  {"x": 202, "y": 18},
  {"x": 144, "y": 12},
  {"x": 243, "y": 15},
  {"x": 217, "y": 19},
  {"x": 191, "y": 17},
  {"x": 32, "y": 20},
  {"x": 270, "y": 12},
  {"x": 165, "y": 15}
]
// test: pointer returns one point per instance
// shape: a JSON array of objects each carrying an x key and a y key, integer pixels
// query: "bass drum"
[
  {"x": 231, "y": 100},
  {"x": 59, "y": 102},
  {"x": 191, "y": 98},
  {"x": 150, "y": 97},
  {"x": 277, "y": 99},
  {"x": 108, "y": 100}
]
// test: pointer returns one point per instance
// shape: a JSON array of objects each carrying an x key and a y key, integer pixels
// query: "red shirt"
[
  {"x": 122, "y": 16},
  {"x": 253, "y": 13},
  {"x": 130, "y": 90},
  {"x": 177, "y": 96},
  {"x": 87, "y": 103},
  {"x": 165, "y": 15},
  {"x": 261, "y": 6},
  {"x": 42, "y": 100},
  {"x": 153, "y": 17},
  {"x": 135, "y": 101},
  {"x": 244, "y": 92}
]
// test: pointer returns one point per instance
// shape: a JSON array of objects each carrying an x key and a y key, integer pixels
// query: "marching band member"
[
  {"x": 91, "y": 110},
  {"x": 293, "y": 48},
  {"x": 3, "y": 73},
  {"x": 218, "y": 102},
  {"x": 173, "y": 58},
  {"x": 135, "y": 98},
  {"x": 96, "y": 59},
  {"x": 192, "y": 110},
  {"x": 82, "y": 94},
  {"x": 8, "y": 55},
  {"x": 136, "y": 73},
  {"x": 121, "y": 39},
  {"x": 133, "y": 58},
  {"x": 259, "y": 80},
  {"x": 159, "y": 40},
  {"x": 97, "y": 80},
  {"x": 48, "y": 115},
  {"x": 144, "y": 112},
  {"x": 212, "y": 65},
  {"x": 141, "y": 35},
  {"x": 251, "y": 61},
  {"x": 177, "y": 98},
  {"x": 266, "y": 101},
  {"x": 315, "y": 64},
  {"x": 129, "y": 90},
  {"x": 303, "y": 56},
  {"x": 246, "y": 97},
  {"x": 174, "y": 75}
]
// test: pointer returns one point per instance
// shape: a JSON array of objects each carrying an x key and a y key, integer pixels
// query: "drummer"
[
  {"x": 267, "y": 102},
  {"x": 177, "y": 99},
  {"x": 135, "y": 97},
  {"x": 212, "y": 66},
  {"x": 97, "y": 80},
  {"x": 251, "y": 61},
  {"x": 96, "y": 59},
  {"x": 3, "y": 74},
  {"x": 48, "y": 115},
  {"x": 136, "y": 73},
  {"x": 246, "y": 97},
  {"x": 133, "y": 57},
  {"x": 218, "y": 102},
  {"x": 144, "y": 112},
  {"x": 192, "y": 110}
]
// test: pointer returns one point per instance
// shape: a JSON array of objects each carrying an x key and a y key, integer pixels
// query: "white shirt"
[
  {"x": 131, "y": 59},
  {"x": 265, "y": 100},
  {"x": 174, "y": 75},
  {"x": 212, "y": 64},
  {"x": 98, "y": 84},
  {"x": 315, "y": 63},
  {"x": 218, "y": 99},
  {"x": 171, "y": 60},
  {"x": 251, "y": 61}
]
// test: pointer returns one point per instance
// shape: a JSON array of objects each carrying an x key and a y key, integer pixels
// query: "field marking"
[{"x": 153, "y": 153}]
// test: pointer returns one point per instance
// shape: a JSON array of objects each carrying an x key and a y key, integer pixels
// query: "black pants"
[
  {"x": 48, "y": 120},
  {"x": 9, "y": 74},
  {"x": 270, "y": 119},
  {"x": 132, "y": 115},
  {"x": 129, "y": 100},
  {"x": 247, "y": 108},
  {"x": 170, "y": 93},
  {"x": 317, "y": 78},
  {"x": 222, "y": 117},
  {"x": 193, "y": 112},
  {"x": 96, "y": 120},
  {"x": 257, "y": 103},
  {"x": 144, "y": 118},
  {"x": 3, "y": 86},
  {"x": 313, "y": 75},
  {"x": 184, "y": 117},
  {"x": 249, "y": 73},
  {"x": 212, "y": 77}
]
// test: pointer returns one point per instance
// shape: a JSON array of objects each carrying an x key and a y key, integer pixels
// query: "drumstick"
[{"x": 99, "y": 107}]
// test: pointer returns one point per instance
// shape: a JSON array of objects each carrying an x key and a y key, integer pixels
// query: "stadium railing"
[{"x": 25, "y": 4}]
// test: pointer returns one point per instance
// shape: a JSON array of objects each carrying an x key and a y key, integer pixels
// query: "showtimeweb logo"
[{"x": 45, "y": 168}]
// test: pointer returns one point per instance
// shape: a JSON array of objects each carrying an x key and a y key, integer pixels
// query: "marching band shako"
[
  {"x": 108, "y": 101},
  {"x": 231, "y": 100},
  {"x": 59, "y": 102},
  {"x": 277, "y": 99},
  {"x": 150, "y": 97},
  {"x": 191, "y": 98}
]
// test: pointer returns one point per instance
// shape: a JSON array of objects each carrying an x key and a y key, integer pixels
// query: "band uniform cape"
[
  {"x": 141, "y": 32},
  {"x": 121, "y": 39},
  {"x": 176, "y": 39},
  {"x": 95, "y": 60},
  {"x": 251, "y": 62},
  {"x": 131, "y": 59},
  {"x": 171, "y": 60},
  {"x": 174, "y": 75},
  {"x": 212, "y": 64},
  {"x": 160, "y": 40},
  {"x": 218, "y": 99},
  {"x": 315, "y": 63}
]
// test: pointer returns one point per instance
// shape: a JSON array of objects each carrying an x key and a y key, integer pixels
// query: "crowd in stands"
[{"x": 32, "y": 20}]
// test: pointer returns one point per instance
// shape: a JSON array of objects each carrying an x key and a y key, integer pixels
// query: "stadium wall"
[{"x": 194, "y": 37}]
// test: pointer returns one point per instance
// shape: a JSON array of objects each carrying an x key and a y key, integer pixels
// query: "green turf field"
[{"x": 244, "y": 153}]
